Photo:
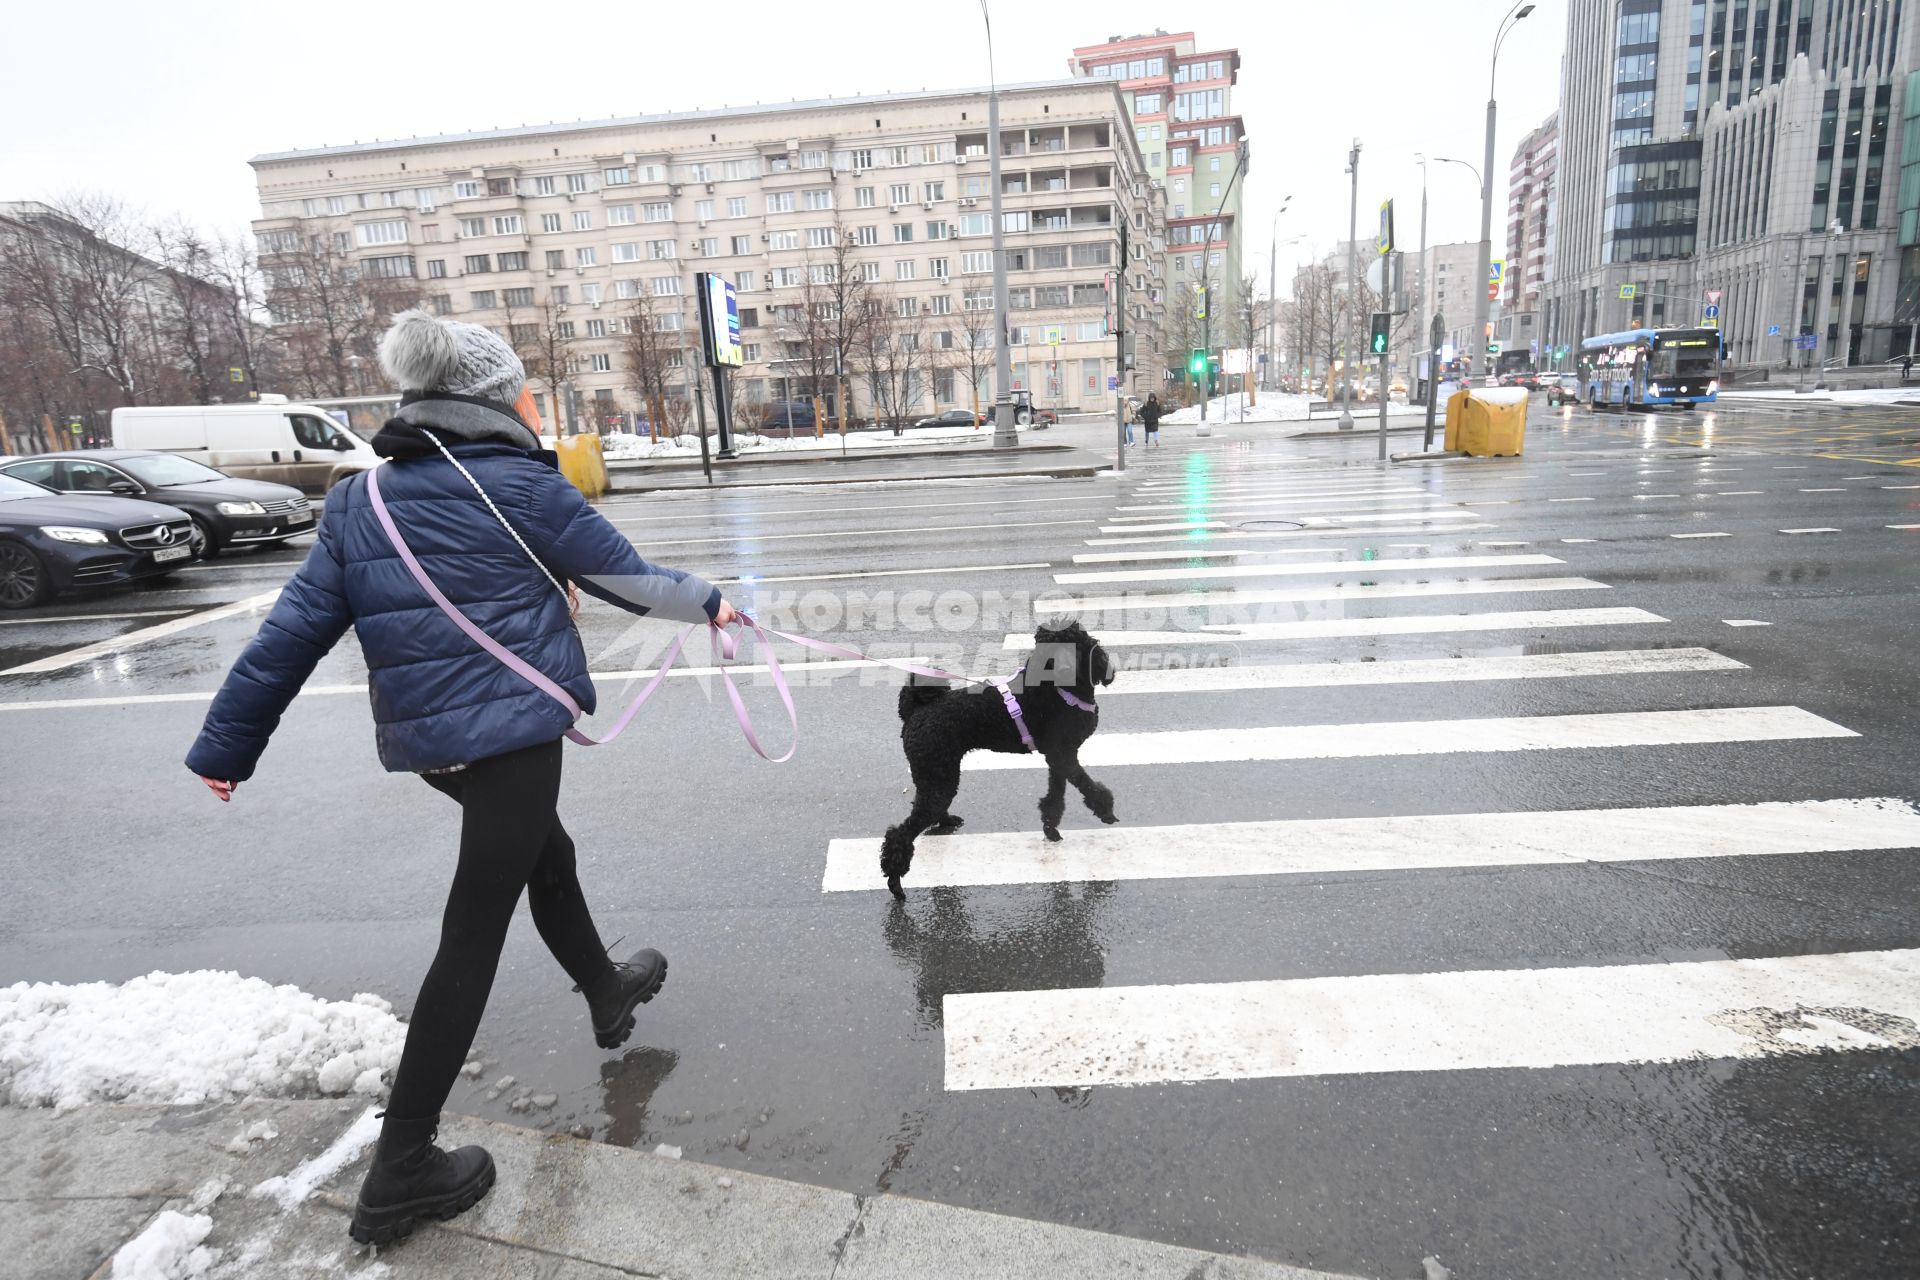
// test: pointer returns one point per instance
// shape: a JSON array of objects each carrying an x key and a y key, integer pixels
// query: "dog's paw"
[
  {"x": 893, "y": 887},
  {"x": 947, "y": 825},
  {"x": 1109, "y": 817},
  {"x": 1051, "y": 833},
  {"x": 896, "y": 856}
]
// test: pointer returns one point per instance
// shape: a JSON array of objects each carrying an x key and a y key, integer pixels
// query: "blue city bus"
[{"x": 1642, "y": 368}]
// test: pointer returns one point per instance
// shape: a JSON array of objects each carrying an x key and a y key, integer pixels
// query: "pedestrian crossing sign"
[{"x": 1629, "y": 291}]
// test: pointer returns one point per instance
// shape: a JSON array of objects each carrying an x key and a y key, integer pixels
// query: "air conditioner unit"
[
  {"x": 709, "y": 188},
  {"x": 580, "y": 270},
  {"x": 766, "y": 237},
  {"x": 595, "y": 304},
  {"x": 859, "y": 173},
  {"x": 673, "y": 188},
  {"x": 967, "y": 202},
  {"x": 549, "y": 270},
  {"x": 572, "y": 194},
  {"x": 893, "y": 208},
  {"x": 927, "y": 204},
  {"x": 703, "y": 224}
]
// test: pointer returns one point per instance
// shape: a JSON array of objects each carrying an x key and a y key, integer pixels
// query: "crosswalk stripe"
[
  {"x": 1472, "y": 1020},
  {"x": 1281, "y": 568},
  {"x": 1395, "y": 625},
  {"x": 1351, "y": 484},
  {"x": 1244, "y": 597},
  {"x": 1195, "y": 537},
  {"x": 1250, "y": 502},
  {"x": 1319, "y": 530},
  {"x": 1514, "y": 666},
  {"x": 1354, "y": 500},
  {"x": 1340, "y": 846},
  {"x": 1438, "y": 737}
]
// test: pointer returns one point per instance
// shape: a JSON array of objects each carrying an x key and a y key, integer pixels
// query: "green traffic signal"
[
  {"x": 1382, "y": 322},
  {"x": 1197, "y": 363}
]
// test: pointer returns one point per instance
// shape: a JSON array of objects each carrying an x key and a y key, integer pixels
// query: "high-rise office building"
[
  {"x": 1737, "y": 158},
  {"x": 1179, "y": 94}
]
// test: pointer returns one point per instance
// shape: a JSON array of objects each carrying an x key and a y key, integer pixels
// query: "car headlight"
[
  {"x": 67, "y": 533},
  {"x": 1653, "y": 388},
  {"x": 239, "y": 508}
]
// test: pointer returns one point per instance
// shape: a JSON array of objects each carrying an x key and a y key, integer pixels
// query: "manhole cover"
[{"x": 1271, "y": 524}]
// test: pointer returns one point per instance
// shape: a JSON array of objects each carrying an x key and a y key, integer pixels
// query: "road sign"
[
  {"x": 1713, "y": 311},
  {"x": 1113, "y": 383},
  {"x": 1493, "y": 348},
  {"x": 1496, "y": 270},
  {"x": 1713, "y": 298},
  {"x": 1806, "y": 342},
  {"x": 1773, "y": 331},
  {"x": 236, "y": 374},
  {"x": 1629, "y": 291},
  {"x": 1053, "y": 335},
  {"x": 1383, "y": 243}
]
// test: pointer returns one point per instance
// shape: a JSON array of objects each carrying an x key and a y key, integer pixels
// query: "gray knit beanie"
[{"x": 424, "y": 353}]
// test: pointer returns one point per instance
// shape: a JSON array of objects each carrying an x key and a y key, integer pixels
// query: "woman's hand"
[
  {"x": 221, "y": 788},
  {"x": 726, "y": 615}
]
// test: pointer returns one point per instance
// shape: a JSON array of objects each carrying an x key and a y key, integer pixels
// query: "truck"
[{"x": 298, "y": 444}]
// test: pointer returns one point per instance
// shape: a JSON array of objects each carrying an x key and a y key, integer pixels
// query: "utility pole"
[
  {"x": 1005, "y": 435},
  {"x": 1482, "y": 304},
  {"x": 1353, "y": 290},
  {"x": 1206, "y": 292},
  {"x": 1426, "y": 300},
  {"x": 1435, "y": 332},
  {"x": 1119, "y": 304}
]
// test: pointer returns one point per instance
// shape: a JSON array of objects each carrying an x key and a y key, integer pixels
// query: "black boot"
[
  {"x": 612, "y": 999},
  {"x": 411, "y": 1178}
]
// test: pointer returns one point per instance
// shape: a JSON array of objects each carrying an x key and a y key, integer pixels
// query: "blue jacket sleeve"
[
  {"x": 308, "y": 619},
  {"x": 579, "y": 543}
]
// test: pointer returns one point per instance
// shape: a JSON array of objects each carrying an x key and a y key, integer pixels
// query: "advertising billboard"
[{"x": 722, "y": 316}]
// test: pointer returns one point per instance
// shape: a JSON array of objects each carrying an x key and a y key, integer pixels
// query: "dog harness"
[{"x": 1020, "y": 722}]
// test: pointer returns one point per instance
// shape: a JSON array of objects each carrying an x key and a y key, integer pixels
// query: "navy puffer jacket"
[{"x": 438, "y": 699}]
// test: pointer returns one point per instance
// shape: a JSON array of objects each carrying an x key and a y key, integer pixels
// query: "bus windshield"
[{"x": 1687, "y": 357}]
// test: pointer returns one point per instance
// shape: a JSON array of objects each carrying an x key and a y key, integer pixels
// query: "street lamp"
[
  {"x": 1481, "y": 302},
  {"x": 1004, "y": 433},
  {"x": 1206, "y": 266},
  {"x": 1478, "y": 182},
  {"x": 1273, "y": 260}
]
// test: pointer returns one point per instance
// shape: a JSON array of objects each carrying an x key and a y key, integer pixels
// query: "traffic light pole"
[{"x": 1384, "y": 397}]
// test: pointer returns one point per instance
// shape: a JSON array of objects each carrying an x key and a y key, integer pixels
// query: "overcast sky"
[{"x": 162, "y": 104}]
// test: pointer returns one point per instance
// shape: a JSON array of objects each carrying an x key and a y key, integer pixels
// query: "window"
[
  {"x": 866, "y": 235},
  {"x": 933, "y": 153},
  {"x": 1154, "y": 159},
  {"x": 1048, "y": 257},
  {"x": 862, "y": 158},
  {"x": 442, "y": 305},
  {"x": 478, "y": 264},
  {"x": 1146, "y": 104},
  {"x": 783, "y": 239},
  {"x": 869, "y": 271},
  {"x": 516, "y": 297},
  {"x": 934, "y": 190},
  {"x": 736, "y": 206},
  {"x": 596, "y": 328},
  {"x": 563, "y": 329},
  {"x": 813, "y": 159},
  {"x": 473, "y": 228},
  {"x": 576, "y": 182},
  {"x": 709, "y": 246},
  {"x": 822, "y": 273},
  {"x": 512, "y": 262},
  {"x": 749, "y": 318},
  {"x": 550, "y": 222},
  {"x": 1014, "y": 220},
  {"x": 900, "y": 193},
  {"x": 1213, "y": 189},
  {"x": 1050, "y": 295},
  {"x": 1178, "y": 158},
  {"x": 820, "y": 237},
  {"x": 398, "y": 267},
  {"x": 977, "y": 300},
  {"x": 820, "y": 198},
  {"x": 903, "y": 233},
  {"x": 745, "y": 281},
  {"x": 394, "y": 232},
  {"x": 784, "y": 277},
  {"x": 1090, "y": 330},
  {"x": 436, "y": 268},
  {"x": 936, "y": 230},
  {"x": 750, "y": 352},
  {"x": 904, "y": 269},
  {"x": 627, "y": 251},
  {"x": 658, "y": 250},
  {"x": 461, "y": 191},
  {"x": 627, "y": 289},
  {"x": 703, "y": 210},
  {"x": 590, "y": 293},
  {"x": 543, "y": 186},
  {"x": 657, "y": 211},
  {"x": 740, "y": 169},
  {"x": 977, "y": 263},
  {"x": 937, "y": 268},
  {"x": 481, "y": 300},
  {"x": 556, "y": 259},
  {"x": 508, "y": 224},
  {"x": 560, "y": 295},
  {"x": 427, "y": 198},
  {"x": 907, "y": 307},
  {"x": 898, "y": 156},
  {"x": 583, "y": 220},
  {"x": 585, "y": 256},
  {"x": 741, "y": 244},
  {"x": 600, "y": 362},
  {"x": 616, "y": 177},
  {"x": 780, "y": 202},
  {"x": 523, "y": 335},
  {"x": 940, "y": 306},
  {"x": 499, "y": 186},
  {"x": 618, "y": 215}
]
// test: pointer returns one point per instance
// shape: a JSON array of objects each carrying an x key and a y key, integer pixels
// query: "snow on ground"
[
  {"x": 169, "y": 1249},
  {"x": 621, "y": 447},
  {"x": 1859, "y": 395},
  {"x": 188, "y": 1038},
  {"x": 1269, "y": 406},
  {"x": 295, "y": 1187}
]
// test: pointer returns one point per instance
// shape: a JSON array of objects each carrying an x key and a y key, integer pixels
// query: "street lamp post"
[
  {"x": 1353, "y": 290},
  {"x": 1426, "y": 283},
  {"x": 1273, "y": 280},
  {"x": 1479, "y": 308},
  {"x": 1482, "y": 303},
  {"x": 1005, "y": 435},
  {"x": 1206, "y": 268}
]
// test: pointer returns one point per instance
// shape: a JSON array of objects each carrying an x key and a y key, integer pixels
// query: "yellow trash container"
[
  {"x": 583, "y": 462},
  {"x": 1489, "y": 422}
]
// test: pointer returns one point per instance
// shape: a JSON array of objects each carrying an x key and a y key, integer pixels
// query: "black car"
[
  {"x": 787, "y": 417},
  {"x": 51, "y": 542},
  {"x": 951, "y": 418},
  {"x": 227, "y": 512}
]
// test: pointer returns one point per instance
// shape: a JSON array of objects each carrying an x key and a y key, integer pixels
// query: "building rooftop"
[{"x": 671, "y": 117}]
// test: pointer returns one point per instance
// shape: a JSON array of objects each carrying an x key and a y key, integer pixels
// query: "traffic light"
[
  {"x": 1197, "y": 362},
  {"x": 1382, "y": 322}
]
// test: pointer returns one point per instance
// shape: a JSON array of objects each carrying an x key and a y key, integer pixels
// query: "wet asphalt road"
[{"x": 802, "y": 1032}]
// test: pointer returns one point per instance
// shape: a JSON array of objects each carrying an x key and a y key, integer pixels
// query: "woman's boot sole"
[
  {"x": 617, "y": 1036},
  {"x": 395, "y": 1222}
]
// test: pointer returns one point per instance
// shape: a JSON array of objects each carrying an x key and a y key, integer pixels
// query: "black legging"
[{"x": 510, "y": 839}]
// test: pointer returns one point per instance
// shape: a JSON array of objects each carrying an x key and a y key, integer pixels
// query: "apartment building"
[
  {"x": 569, "y": 236},
  {"x": 1529, "y": 241},
  {"x": 1178, "y": 94}
]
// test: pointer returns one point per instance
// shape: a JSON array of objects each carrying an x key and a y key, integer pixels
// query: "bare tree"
[
  {"x": 328, "y": 315},
  {"x": 654, "y": 357},
  {"x": 544, "y": 338},
  {"x": 832, "y": 310},
  {"x": 929, "y": 358},
  {"x": 882, "y": 359},
  {"x": 77, "y": 272},
  {"x": 976, "y": 338}
]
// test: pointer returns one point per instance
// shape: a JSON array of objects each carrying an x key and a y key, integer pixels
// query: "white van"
[{"x": 297, "y": 444}]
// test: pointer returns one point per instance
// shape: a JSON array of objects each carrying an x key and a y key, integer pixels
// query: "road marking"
[
  {"x": 1240, "y": 597},
  {"x": 1699, "y": 535},
  {"x": 1472, "y": 1020},
  {"x": 1248, "y": 501},
  {"x": 1280, "y": 568},
  {"x": 1585, "y": 473},
  {"x": 874, "y": 573},
  {"x": 1656, "y": 495},
  {"x": 1813, "y": 530},
  {"x": 1164, "y": 528},
  {"x": 1503, "y": 544},
  {"x": 1569, "y": 499},
  {"x": 1900, "y": 486},
  {"x": 1842, "y": 489},
  {"x": 89, "y": 617},
  {"x": 1904, "y": 526},
  {"x": 852, "y": 533},
  {"x": 1745, "y": 622},
  {"x": 1656, "y": 471},
  {"x": 1516, "y": 666},
  {"x": 1414, "y": 517},
  {"x": 1341, "y": 846},
  {"x": 1740, "y": 493},
  {"x": 1798, "y": 466},
  {"x": 1121, "y": 557},
  {"x": 144, "y": 635},
  {"x": 679, "y": 517},
  {"x": 1579, "y": 539},
  {"x": 1195, "y": 537},
  {"x": 1438, "y": 737},
  {"x": 1396, "y": 625}
]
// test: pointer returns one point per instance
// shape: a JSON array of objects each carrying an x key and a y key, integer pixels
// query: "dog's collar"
[{"x": 1079, "y": 703}]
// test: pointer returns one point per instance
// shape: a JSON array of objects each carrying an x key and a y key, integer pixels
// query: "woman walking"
[
  {"x": 1150, "y": 418},
  {"x": 497, "y": 530}
]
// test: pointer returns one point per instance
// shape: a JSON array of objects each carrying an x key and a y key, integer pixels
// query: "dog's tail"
[{"x": 918, "y": 692}]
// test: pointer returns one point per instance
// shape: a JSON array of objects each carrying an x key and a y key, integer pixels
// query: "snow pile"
[
  {"x": 1268, "y": 406},
  {"x": 185, "y": 1038},
  {"x": 169, "y": 1249}
]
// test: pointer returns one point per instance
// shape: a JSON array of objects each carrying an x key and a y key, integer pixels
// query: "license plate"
[
  {"x": 165, "y": 554},
  {"x": 300, "y": 517}
]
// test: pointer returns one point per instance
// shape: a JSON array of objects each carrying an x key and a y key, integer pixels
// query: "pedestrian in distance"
[
  {"x": 1150, "y": 418},
  {"x": 1906, "y": 367},
  {"x": 495, "y": 527},
  {"x": 1133, "y": 412}
]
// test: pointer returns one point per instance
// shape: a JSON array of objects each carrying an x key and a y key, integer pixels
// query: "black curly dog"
[{"x": 940, "y": 724}]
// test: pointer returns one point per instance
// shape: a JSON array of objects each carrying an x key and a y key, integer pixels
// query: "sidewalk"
[{"x": 77, "y": 1187}]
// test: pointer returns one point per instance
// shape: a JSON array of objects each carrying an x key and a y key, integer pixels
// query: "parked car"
[
  {"x": 52, "y": 542},
  {"x": 293, "y": 444},
  {"x": 787, "y": 417},
  {"x": 226, "y": 511},
  {"x": 951, "y": 418},
  {"x": 1564, "y": 389}
]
